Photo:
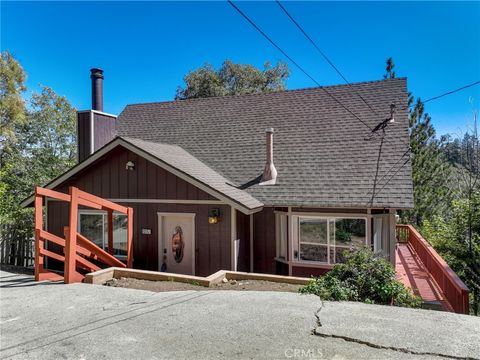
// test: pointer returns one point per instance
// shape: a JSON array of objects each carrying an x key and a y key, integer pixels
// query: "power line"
[
  {"x": 323, "y": 54},
  {"x": 395, "y": 164},
  {"x": 296, "y": 64},
  {"x": 391, "y": 177},
  {"x": 313, "y": 79},
  {"x": 445, "y": 94}
]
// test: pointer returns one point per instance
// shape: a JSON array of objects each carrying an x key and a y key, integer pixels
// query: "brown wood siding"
[
  {"x": 264, "y": 246},
  {"x": 83, "y": 135},
  {"x": 243, "y": 233},
  {"x": 212, "y": 245},
  {"x": 108, "y": 178},
  {"x": 104, "y": 130}
]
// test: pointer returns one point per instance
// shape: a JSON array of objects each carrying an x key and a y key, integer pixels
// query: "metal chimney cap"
[
  {"x": 269, "y": 130},
  {"x": 96, "y": 73}
]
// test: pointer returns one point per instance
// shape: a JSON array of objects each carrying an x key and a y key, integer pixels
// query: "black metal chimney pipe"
[{"x": 97, "y": 89}]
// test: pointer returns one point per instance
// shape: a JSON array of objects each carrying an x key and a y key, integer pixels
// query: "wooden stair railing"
[
  {"x": 79, "y": 253},
  {"x": 455, "y": 291}
]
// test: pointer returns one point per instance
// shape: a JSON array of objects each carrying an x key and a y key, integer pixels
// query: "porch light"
[
  {"x": 129, "y": 166},
  {"x": 214, "y": 216}
]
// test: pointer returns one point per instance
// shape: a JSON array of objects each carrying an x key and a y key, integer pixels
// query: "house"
[{"x": 281, "y": 182}]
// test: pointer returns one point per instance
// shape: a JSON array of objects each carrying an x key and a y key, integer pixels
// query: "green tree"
[
  {"x": 465, "y": 223},
  {"x": 44, "y": 148},
  {"x": 12, "y": 105},
  {"x": 450, "y": 238},
  {"x": 431, "y": 171},
  {"x": 233, "y": 79},
  {"x": 390, "y": 74}
]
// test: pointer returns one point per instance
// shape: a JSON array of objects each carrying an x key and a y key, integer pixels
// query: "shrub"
[
  {"x": 363, "y": 277},
  {"x": 343, "y": 235}
]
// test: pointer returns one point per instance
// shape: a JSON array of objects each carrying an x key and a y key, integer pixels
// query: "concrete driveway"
[{"x": 80, "y": 321}]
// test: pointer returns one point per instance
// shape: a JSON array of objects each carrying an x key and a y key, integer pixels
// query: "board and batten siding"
[
  {"x": 83, "y": 135},
  {"x": 108, "y": 178},
  {"x": 264, "y": 246},
  {"x": 103, "y": 132},
  {"x": 243, "y": 234}
]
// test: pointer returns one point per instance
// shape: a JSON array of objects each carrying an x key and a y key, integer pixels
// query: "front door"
[{"x": 176, "y": 243}]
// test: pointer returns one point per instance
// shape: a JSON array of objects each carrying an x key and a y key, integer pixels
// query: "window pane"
[
  {"x": 119, "y": 234},
  {"x": 313, "y": 252},
  {"x": 313, "y": 231},
  {"x": 91, "y": 226},
  {"x": 340, "y": 254},
  {"x": 350, "y": 232}
]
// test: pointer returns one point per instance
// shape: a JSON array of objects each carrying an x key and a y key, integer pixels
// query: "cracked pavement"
[{"x": 80, "y": 321}]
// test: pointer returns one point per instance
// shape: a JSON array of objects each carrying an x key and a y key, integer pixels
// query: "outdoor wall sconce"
[
  {"x": 214, "y": 216},
  {"x": 130, "y": 166}
]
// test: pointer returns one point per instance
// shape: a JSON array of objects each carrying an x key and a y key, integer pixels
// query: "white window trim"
[{"x": 105, "y": 239}]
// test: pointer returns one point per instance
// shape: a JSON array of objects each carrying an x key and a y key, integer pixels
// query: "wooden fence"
[{"x": 17, "y": 247}]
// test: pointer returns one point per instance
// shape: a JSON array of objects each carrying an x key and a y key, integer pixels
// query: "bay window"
[
  {"x": 327, "y": 239},
  {"x": 94, "y": 226}
]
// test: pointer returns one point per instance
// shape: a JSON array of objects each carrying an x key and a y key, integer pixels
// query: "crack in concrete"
[
  {"x": 317, "y": 316},
  {"x": 377, "y": 346}
]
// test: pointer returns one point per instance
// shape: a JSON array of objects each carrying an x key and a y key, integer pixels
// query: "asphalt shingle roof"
[
  {"x": 178, "y": 158},
  {"x": 320, "y": 151}
]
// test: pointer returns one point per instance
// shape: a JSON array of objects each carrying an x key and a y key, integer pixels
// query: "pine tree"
[{"x": 430, "y": 168}]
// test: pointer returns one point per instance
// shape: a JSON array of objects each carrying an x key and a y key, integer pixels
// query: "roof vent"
[{"x": 269, "y": 176}]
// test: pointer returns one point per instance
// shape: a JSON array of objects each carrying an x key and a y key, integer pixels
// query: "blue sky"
[{"x": 145, "y": 48}]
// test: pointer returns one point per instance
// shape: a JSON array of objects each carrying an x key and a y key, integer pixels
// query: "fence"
[{"x": 17, "y": 247}]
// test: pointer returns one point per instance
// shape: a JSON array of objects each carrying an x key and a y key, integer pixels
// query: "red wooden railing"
[
  {"x": 455, "y": 291},
  {"x": 78, "y": 251}
]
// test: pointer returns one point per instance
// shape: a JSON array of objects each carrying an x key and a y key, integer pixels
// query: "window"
[
  {"x": 281, "y": 235},
  {"x": 313, "y": 239},
  {"x": 94, "y": 226},
  {"x": 327, "y": 239}
]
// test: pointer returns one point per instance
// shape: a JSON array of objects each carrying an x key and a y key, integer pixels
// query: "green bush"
[
  {"x": 363, "y": 277},
  {"x": 343, "y": 235}
]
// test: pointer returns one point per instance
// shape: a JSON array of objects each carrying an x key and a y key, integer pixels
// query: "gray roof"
[
  {"x": 320, "y": 151},
  {"x": 181, "y": 160}
]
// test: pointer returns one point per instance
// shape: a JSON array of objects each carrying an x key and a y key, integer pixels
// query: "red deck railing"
[
  {"x": 455, "y": 291},
  {"x": 78, "y": 251}
]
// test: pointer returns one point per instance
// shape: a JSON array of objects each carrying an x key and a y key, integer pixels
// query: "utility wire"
[
  {"x": 445, "y": 94},
  {"x": 323, "y": 54},
  {"x": 383, "y": 124},
  {"x": 391, "y": 177},
  {"x": 390, "y": 169},
  {"x": 317, "y": 83},
  {"x": 296, "y": 64}
]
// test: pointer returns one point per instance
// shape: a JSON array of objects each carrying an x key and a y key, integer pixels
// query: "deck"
[
  {"x": 421, "y": 268},
  {"x": 413, "y": 274}
]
